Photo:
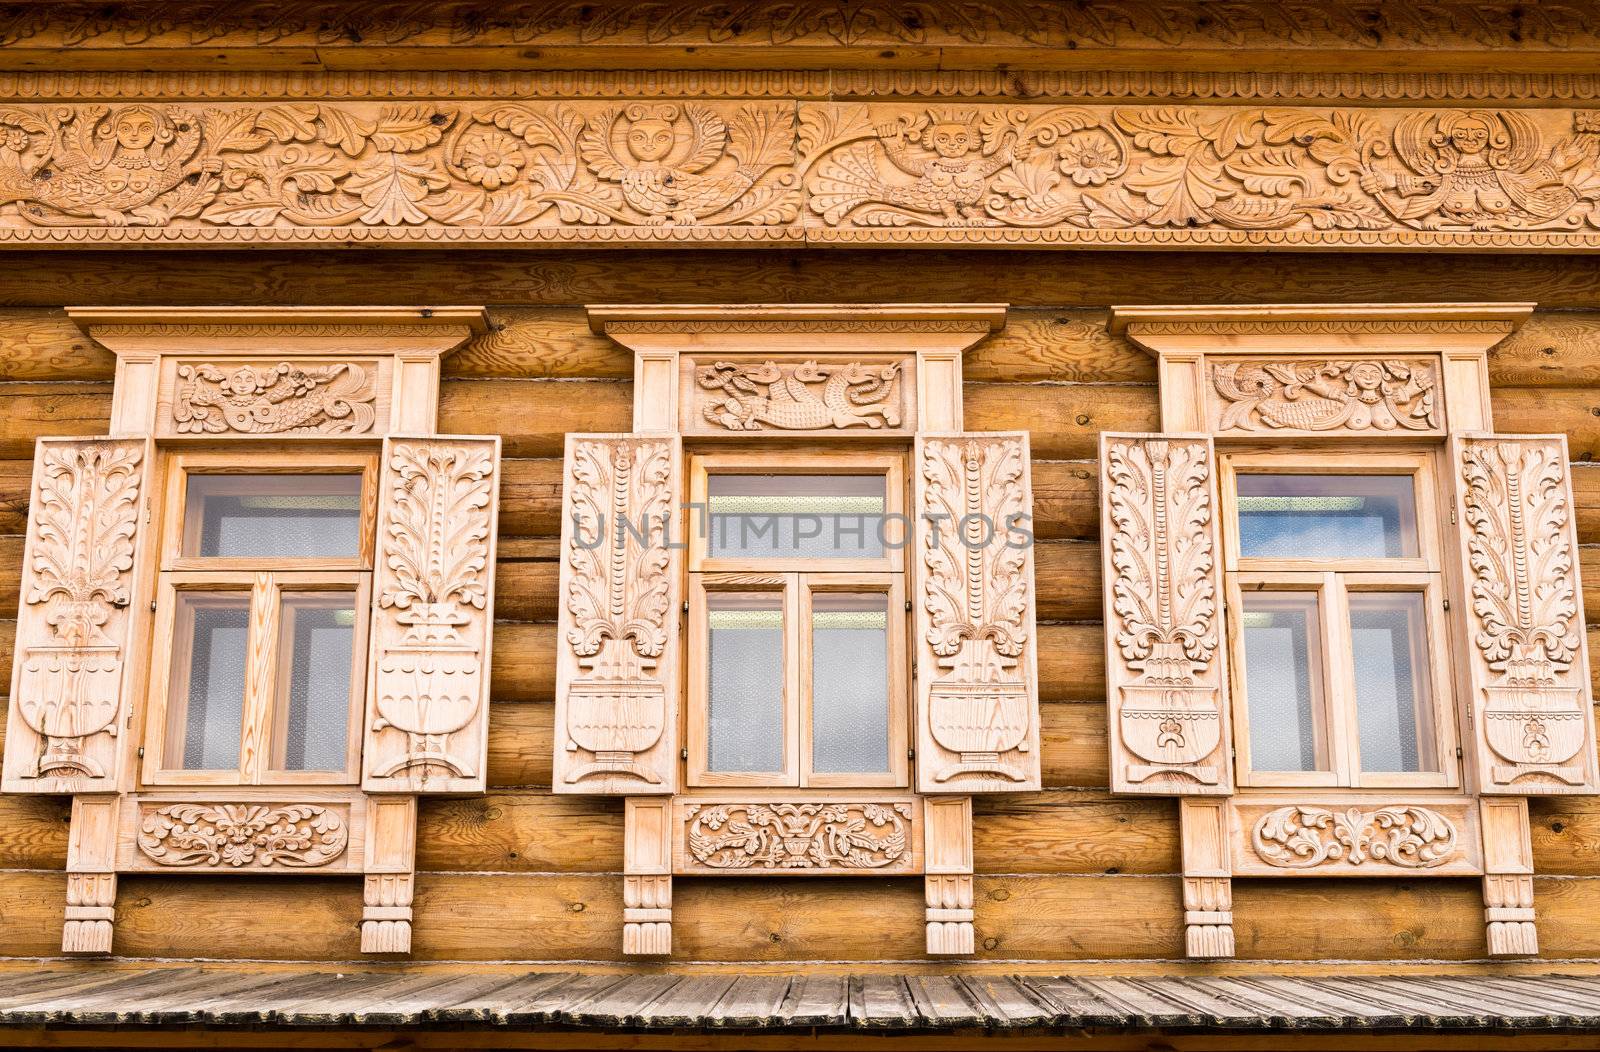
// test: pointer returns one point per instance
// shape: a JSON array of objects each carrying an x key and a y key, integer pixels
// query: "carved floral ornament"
[
  {"x": 242, "y": 836},
  {"x": 798, "y": 836},
  {"x": 1404, "y": 837},
  {"x": 804, "y": 396},
  {"x": 788, "y": 171}
]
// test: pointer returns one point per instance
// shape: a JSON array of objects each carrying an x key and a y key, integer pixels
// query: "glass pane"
[
  {"x": 745, "y": 722},
  {"x": 1327, "y": 516},
  {"x": 1388, "y": 643},
  {"x": 796, "y": 516},
  {"x": 1283, "y": 683},
  {"x": 849, "y": 682},
  {"x": 317, "y": 650},
  {"x": 273, "y": 516},
  {"x": 211, "y": 648}
]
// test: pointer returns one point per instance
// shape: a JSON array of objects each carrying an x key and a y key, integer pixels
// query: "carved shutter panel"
[
  {"x": 1526, "y": 657},
  {"x": 976, "y": 647},
  {"x": 1163, "y": 599},
  {"x": 77, "y": 627},
  {"x": 621, "y": 600},
  {"x": 432, "y": 615}
]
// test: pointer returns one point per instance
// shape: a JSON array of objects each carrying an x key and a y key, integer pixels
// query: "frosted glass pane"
[
  {"x": 796, "y": 516},
  {"x": 273, "y": 516},
  {"x": 1280, "y": 644},
  {"x": 216, "y": 627},
  {"x": 318, "y": 640},
  {"x": 1327, "y": 516},
  {"x": 849, "y": 683},
  {"x": 745, "y": 721},
  {"x": 1389, "y": 647}
]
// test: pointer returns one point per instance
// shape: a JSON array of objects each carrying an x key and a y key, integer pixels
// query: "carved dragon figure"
[
  {"x": 778, "y": 396},
  {"x": 110, "y": 165}
]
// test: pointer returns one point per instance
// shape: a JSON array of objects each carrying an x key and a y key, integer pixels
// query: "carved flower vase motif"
[
  {"x": 981, "y": 712},
  {"x": 615, "y": 716},
  {"x": 431, "y": 688},
  {"x": 66, "y": 695},
  {"x": 1172, "y": 728}
]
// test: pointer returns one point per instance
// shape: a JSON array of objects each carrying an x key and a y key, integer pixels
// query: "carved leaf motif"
[
  {"x": 780, "y": 836},
  {"x": 1521, "y": 558},
  {"x": 1406, "y": 837},
  {"x": 243, "y": 836},
  {"x": 1162, "y": 553}
]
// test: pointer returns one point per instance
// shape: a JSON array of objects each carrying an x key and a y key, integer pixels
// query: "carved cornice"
[
  {"x": 1304, "y": 25},
  {"x": 792, "y": 172}
]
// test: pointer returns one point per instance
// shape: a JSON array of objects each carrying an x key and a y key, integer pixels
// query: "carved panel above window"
[
  {"x": 1284, "y": 396},
  {"x": 274, "y": 398},
  {"x": 865, "y": 395}
]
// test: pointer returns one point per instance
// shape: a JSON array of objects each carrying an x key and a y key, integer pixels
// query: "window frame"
[
  {"x": 1333, "y": 580},
  {"x": 797, "y": 580},
  {"x": 267, "y": 581}
]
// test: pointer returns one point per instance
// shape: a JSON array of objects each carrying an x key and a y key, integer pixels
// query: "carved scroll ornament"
[
  {"x": 798, "y": 836},
  {"x": 1525, "y": 623},
  {"x": 1314, "y": 837},
  {"x": 432, "y": 614},
  {"x": 717, "y": 170},
  {"x": 1163, "y": 613},
  {"x": 274, "y": 399},
  {"x": 242, "y": 836},
  {"x": 804, "y": 396},
  {"x": 980, "y": 701},
  {"x": 1299, "y": 395},
  {"x": 616, "y": 689},
  {"x": 74, "y": 620}
]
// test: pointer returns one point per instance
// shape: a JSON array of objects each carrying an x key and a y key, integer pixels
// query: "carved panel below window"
[
  {"x": 273, "y": 397},
  {"x": 798, "y": 837},
  {"x": 1377, "y": 838},
  {"x": 1372, "y": 395},
  {"x": 861, "y": 395}
]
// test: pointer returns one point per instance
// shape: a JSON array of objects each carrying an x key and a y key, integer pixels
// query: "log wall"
[{"x": 1068, "y": 875}]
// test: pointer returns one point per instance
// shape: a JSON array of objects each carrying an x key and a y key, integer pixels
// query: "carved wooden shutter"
[
  {"x": 432, "y": 615},
  {"x": 1522, "y": 605},
  {"x": 618, "y": 636},
  {"x": 1163, "y": 601},
  {"x": 77, "y": 626},
  {"x": 976, "y": 648}
]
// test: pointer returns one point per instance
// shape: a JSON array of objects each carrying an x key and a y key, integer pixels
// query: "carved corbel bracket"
[
  {"x": 797, "y": 369},
  {"x": 277, "y": 372},
  {"x": 1299, "y": 370}
]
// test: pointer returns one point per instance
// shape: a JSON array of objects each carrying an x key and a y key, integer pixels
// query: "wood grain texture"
[
  {"x": 533, "y": 416},
  {"x": 29, "y": 410}
]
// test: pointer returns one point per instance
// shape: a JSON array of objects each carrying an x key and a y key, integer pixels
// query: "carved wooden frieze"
[
  {"x": 1293, "y": 395},
  {"x": 616, "y": 674},
  {"x": 77, "y": 620},
  {"x": 245, "y": 836},
  {"x": 855, "y": 395},
  {"x": 977, "y": 691},
  {"x": 1524, "y": 619},
  {"x": 829, "y": 837},
  {"x": 1164, "y": 659},
  {"x": 784, "y": 171},
  {"x": 433, "y": 610},
  {"x": 1276, "y": 837},
  {"x": 273, "y": 398}
]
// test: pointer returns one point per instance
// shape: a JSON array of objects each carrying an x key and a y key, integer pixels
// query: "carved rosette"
[
  {"x": 1404, "y": 837},
  {"x": 1524, "y": 618},
  {"x": 979, "y": 711},
  {"x": 277, "y": 399},
  {"x": 802, "y": 837},
  {"x": 1298, "y": 394},
  {"x": 432, "y": 614},
  {"x": 242, "y": 836},
  {"x": 618, "y": 615},
  {"x": 799, "y": 396},
  {"x": 1162, "y": 613},
  {"x": 75, "y": 618}
]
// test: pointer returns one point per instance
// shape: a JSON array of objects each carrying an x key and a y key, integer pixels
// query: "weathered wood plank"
[
  {"x": 1064, "y": 420},
  {"x": 1074, "y": 832},
  {"x": 30, "y": 410},
  {"x": 533, "y": 416}
]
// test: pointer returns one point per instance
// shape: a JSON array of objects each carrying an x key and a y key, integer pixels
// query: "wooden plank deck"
[{"x": 418, "y": 998}]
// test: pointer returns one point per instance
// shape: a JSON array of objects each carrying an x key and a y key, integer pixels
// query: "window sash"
[
  {"x": 264, "y": 700},
  {"x": 797, "y": 590}
]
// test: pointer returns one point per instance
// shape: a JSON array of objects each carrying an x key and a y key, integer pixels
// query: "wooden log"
[
  {"x": 1074, "y": 831},
  {"x": 533, "y": 343},
  {"x": 1049, "y": 279},
  {"x": 16, "y": 489},
  {"x": 1064, "y": 420},
  {"x": 1566, "y": 835},
  {"x": 521, "y": 830},
  {"x": 31, "y": 902},
  {"x": 1542, "y": 410},
  {"x": 1348, "y": 920},
  {"x": 33, "y": 831},
  {"x": 28, "y": 411},
  {"x": 533, "y": 416},
  {"x": 1552, "y": 348},
  {"x": 1062, "y": 346},
  {"x": 45, "y": 345},
  {"x": 530, "y": 496}
]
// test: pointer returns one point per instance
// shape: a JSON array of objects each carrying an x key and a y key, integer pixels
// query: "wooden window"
[
  {"x": 262, "y": 610},
  {"x": 1336, "y": 608},
  {"x": 797, "y": 626}
]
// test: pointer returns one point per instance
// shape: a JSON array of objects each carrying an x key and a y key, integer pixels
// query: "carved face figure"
[
  {"x": 1366, "y": 381},
  {"x": 1469, "y": 136},
  {"x": 951, "y": 140},
  {"x": 650, "y": 139},
  {"x": 135, "y": 129}
]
